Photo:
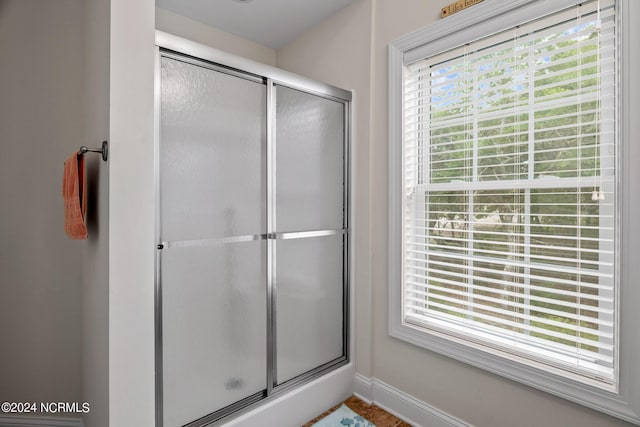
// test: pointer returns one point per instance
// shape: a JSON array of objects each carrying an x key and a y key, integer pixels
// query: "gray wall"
[
  {"x": 182, "y": 26},
  {"x": 54, "y": 91},
  {"x": 41, "y": 75}
]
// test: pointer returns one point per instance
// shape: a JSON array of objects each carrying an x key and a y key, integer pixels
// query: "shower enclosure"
[{"x": 252, "y": 232}]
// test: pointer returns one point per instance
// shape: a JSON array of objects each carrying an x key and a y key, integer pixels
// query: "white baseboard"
[
  {"x": 34, "y": 421},
  {"x": 402, "y": 405},
  {"x": 363, "y": 388}
]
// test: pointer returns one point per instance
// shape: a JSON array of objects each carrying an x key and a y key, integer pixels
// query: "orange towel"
[{"x": 75, "y": 197}]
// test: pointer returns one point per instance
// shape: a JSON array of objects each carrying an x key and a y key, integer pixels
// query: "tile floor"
[{"x": 378, "y": 416}]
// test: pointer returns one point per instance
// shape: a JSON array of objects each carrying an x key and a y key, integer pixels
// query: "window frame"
[{"x": 485, "y": 19}]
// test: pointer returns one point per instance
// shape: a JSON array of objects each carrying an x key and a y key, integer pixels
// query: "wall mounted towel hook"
[{"x": 104, "y": 150}]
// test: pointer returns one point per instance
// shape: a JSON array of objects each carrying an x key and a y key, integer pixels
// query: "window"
[
  {"x": 505, "y": 213},
  {"x": 509, "y": 172}
]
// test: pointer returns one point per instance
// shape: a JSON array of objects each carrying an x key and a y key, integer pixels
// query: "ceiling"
[{"x": 272, "y": 23}]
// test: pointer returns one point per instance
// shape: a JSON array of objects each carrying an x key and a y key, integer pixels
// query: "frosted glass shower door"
[
  {"x": 310, "y": 228},
  {"x": 213, "y": 251}
]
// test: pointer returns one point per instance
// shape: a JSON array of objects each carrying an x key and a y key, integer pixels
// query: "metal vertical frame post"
[
  {"x": 158, "y": 238},
  {"x": 271, "y": 243},
  {"x": 346, "y": 237}
]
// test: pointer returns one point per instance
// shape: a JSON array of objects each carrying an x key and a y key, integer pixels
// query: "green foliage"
[{"x": 484, "y": 125}]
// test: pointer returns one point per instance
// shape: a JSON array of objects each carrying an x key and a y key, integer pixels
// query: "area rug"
[{"x": 341, "y": 417}]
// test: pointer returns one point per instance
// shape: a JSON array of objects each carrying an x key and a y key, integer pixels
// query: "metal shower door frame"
[{"x": 175, "y": 47}]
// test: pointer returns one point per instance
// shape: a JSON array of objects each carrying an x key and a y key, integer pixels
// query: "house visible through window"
[{"x": 509, "y": 198}]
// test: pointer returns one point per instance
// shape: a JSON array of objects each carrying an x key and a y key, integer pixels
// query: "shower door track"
[{"x": 177, "y": 48}]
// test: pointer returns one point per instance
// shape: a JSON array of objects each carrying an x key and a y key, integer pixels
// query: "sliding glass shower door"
[
  {"x": 252, "y": 239},
  {"x": 309, "y": 218},
  {"x": 212, "y": 196}
]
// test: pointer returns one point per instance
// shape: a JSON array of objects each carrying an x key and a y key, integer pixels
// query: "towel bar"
[{"x": 104, "y": 150}]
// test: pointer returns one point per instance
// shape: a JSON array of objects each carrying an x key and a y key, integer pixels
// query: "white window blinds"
[{"x": 510, "y": 198}]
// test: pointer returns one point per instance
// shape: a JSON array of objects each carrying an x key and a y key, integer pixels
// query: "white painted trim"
[
  {"x": 352, "y": 222},
  {"x": 26, "y": 421},
  {"x": 402, "y": 405},
  {"x": 396, "y": 143},
  {"x": 301, "y": 404},
  {"x": 363, "y": 388},
  {"x": 625, "y": 403},
  {"x": 629, "y": 157}
]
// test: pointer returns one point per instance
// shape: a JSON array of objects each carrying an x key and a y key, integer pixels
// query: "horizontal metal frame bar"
[
  {"x": 209, "y": 65},
  {"x": 252, "y": 238},
  {"x": 286, "y": 78},
  {"x": 213, "y": 242},
  {"x": 227, "y": 410},
  {"x": 307, "y": 234},
  {"x": 277, "y": 84},
  {"x": 306, "y": 377}
]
